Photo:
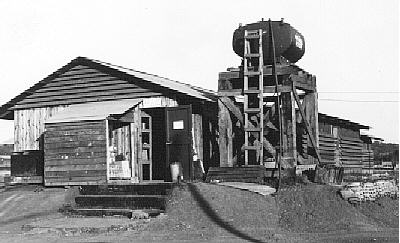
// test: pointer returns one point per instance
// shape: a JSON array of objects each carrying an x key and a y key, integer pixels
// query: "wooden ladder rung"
[
  {"x": 251, "y": 147},
  {"x": 252, "y": 36},
  {"x": 252, "y": 55},
  {"x": 251, "y": 73},
  {"x": 252, "y": 129},
  {"x": 252, "y": 110},
  {"x": 252, "y": 91}
]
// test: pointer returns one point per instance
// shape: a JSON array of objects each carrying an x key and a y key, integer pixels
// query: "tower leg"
[{"x": 289, "y": 152}]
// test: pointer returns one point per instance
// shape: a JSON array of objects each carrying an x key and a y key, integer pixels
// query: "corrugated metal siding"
[
  {"x": 83, "y": 84},
  {"x": 75, "y": 153}
]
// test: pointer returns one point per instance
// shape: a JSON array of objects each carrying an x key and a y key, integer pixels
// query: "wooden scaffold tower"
[{"x": 268, "y": 114}]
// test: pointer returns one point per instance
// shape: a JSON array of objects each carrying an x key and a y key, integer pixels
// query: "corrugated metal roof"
[{"x": 93, "y": 111}]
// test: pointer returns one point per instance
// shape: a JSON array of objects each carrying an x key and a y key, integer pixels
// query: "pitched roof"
[
  {"x": 6, "y": 111},
  {"x": 341, "y": 121}
]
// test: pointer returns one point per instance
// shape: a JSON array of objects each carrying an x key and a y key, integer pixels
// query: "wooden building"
[
  {"x": 341, "y": 143},
  {"x": 97, "y": 123}
]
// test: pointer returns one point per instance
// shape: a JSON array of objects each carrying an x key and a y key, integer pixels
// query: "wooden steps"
[
  {"x": 254, "y": 174},
  {"x": 121, "y": 201},
  {"x": 100, "y": 212},
  {"x": 133, "y": 201}
]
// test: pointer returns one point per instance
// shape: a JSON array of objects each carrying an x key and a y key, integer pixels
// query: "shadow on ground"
[{"x": 208, "y": 210}]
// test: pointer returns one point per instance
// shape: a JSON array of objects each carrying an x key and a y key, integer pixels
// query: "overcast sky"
[{"x": 351, "y": 46}]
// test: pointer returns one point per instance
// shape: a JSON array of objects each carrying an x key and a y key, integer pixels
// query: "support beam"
[
  {"x": 307, "y": 125},
  {"x": 225, "y": 141},
  {"x": 289, "y": 151}
]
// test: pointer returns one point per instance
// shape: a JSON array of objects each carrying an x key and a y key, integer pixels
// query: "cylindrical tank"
[{"x": 289, "y": 43}]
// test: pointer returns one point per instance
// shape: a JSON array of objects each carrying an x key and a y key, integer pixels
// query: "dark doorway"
[
  {"x": 158, "y": 143},
  {"x": 178, "y": 143}
]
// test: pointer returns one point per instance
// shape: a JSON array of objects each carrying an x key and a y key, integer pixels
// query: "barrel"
[{"x": 289, "y": 43}]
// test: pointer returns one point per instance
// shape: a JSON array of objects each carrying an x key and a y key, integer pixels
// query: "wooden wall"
[
  {"x": 197, "y": 135},
  {"x": 75, "y": 153},
  {"x": 341, "y": 146},
  {"x": 29, "y": 127},
  {"x": 83, "y": 84}
]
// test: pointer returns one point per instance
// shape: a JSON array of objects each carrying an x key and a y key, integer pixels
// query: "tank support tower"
[{"x": 268, "y": 112}]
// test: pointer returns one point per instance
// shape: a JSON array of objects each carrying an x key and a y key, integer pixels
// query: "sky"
[{"x": 352, "y": 46}]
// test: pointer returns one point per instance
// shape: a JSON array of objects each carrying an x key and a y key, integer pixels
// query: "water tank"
[{"x": 289, "y": 43}]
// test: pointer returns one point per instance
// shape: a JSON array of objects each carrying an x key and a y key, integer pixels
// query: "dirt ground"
[{"x": 201, "y": 212}]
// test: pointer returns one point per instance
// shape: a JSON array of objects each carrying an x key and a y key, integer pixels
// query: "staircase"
[{"x": 133, "y": 201}]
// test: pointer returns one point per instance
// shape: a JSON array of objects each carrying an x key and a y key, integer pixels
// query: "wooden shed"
[
  {"x": 340, "y": 143},
  {"x": 97, "y": 123}
]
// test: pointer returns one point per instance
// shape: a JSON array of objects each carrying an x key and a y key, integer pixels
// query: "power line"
[
  {"x": 359, "y": 92},
  {"x": 363, "y": 101}
]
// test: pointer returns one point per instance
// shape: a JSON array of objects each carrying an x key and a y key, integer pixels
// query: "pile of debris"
[{"x": 357, "y": 192}]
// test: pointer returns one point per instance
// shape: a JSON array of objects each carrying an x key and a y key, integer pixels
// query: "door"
[{"x": 179, "y": 139}]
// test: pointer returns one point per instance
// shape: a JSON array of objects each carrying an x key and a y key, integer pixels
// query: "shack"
[
  {"x": 96, "y": 123},
  {"x": 341, "y": 143}
]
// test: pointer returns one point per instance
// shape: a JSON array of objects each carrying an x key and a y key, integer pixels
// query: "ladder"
[{"x": 253, "y": 112}]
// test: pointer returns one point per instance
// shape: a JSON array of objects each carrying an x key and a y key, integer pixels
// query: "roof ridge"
[{"x": 142, "y": 72}]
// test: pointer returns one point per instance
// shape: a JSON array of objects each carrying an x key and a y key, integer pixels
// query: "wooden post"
[
  {"x": 311, "y": 111},
  {"x": 107, "y": 153},
  {"x": 289, "y": 159},
  {"x": 225, "y": 136}
]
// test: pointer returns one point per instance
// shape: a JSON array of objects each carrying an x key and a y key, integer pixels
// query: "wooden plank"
[
  {"x": 229, "y": 75},
  {"x": 75, "y": 179},
  {"x": 75, "y": 144},
  {"x": 86, "y": 82},
  {"x": 78, "y": 67},
  {"x": 81, "y": 183},
  {"x": 232, "y": 108},
  {"x": 289, "y": 150},
  {"x": 225, "y": 142},
  {"x": 74, "y": 150},
  {"x": 79, "y": 72},
  {"x": 74, "y": 133},
  {"x": 73, "y": 138},
  {"x": 86, "y": 155},
  {"x": 29, "y": 127},
  {"x": 74, "y": 161},
  {"x": 31, "y": 99},
  {"x": 272, "y": 89},
  {"x": 82, "y": 89},
  {"x": 75, "y": 126},
  {"x": 74, "y": 173},
  {"x": 232, "y": 92},
  {"x": 307, "y": 125},
  {"x": 85, "y": 100}
]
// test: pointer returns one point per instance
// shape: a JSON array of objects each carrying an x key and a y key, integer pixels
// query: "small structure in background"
[{"x": 6, "y": 149}]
